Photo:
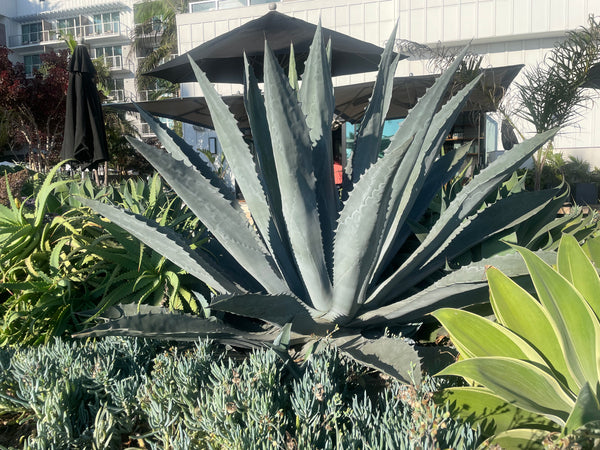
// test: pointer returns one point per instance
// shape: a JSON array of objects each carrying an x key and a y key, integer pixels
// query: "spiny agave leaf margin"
[
  {"x": 275, "y": 309},
  {"x": 182, "y": 151},
  {"x": 229, "y": 226},
  {"x": 463, "y": 282},
  {"x": 468, "y": 199},
  {"x": 257, "y": 116},
  {"x": 167, "y": 243},
  {"x": 359, "y": 231},
  {"x": 500, "y": 216},
  {"x": 368, "y": 134},
  {"x": 317, "y": 102},
  {"x": 416, "y": 168},
  {"x": 292, "y": 149},
  {"x": 238, "y": 156}
]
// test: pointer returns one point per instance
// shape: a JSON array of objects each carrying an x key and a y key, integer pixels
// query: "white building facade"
[{"x": 504, "y": 32}]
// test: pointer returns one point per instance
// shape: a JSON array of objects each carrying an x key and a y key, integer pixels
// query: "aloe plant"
[
  {"x": 534, "y": 371},
  {"x": 308, "y": 259}
]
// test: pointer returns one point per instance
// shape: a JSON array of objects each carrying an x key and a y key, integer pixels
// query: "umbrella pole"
[
  {"x": 105, "y": 173},
  {"x": 96, "y": 177}
]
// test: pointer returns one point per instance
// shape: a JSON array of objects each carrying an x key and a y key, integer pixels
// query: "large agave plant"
[{"x": 307, "y": 259}]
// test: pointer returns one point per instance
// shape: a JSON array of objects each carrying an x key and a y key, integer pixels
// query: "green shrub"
[
  {"x": 58, "y": 260},
  {"x": 123, "y": 392}
]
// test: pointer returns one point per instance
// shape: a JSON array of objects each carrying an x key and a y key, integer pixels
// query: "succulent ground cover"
[{"x": 133, "y": 393}]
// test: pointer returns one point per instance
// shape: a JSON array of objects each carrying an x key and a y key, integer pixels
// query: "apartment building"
[
  {"x": 504, "y": 32},
  {"x": 32, "y": 27}
]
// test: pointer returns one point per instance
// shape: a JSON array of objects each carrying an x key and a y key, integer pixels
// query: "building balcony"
[{"x": 90, "y": 32}]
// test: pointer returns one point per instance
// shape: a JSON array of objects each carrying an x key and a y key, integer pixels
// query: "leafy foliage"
[
  {"x": 537, "y": 367},
  {"x": 36, "y": 104},
  {"x": 307, "y": 259},
  {"x": 116, "y": 393},
  {"x": 57, "y": 260}
]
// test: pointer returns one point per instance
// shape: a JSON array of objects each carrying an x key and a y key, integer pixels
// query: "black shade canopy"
[
  {"x": 350, "y": 101},
  {"x": 593, "y": 77},
  {"x": 222, "y": 58},
  {"x": 85, "y": 136}
]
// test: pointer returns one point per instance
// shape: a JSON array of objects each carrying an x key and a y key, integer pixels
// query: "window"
[
  {"x": 106, "y": 23},
  {"x": 31, "y": 33},
  {"x": 67, "y": 27},
  {"x": 117, "y": 90},
  {"x": 32, "y": 63},
  {"x": 112, "y": 56},
  {"x": 209, "y": 5}
]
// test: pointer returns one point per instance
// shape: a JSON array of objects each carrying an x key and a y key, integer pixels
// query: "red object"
[{"x": 337, "y": 173}]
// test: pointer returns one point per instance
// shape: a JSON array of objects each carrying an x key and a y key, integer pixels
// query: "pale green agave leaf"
[
  {"x": 516, "y": 309},
  {"x": 576, "y": 324},
  {"x": 481, "y": 407},
  {"x": 229, "y": 225},
  {"x": 575, "y": 266},
  {"x": 166, "y": 242},
  {"x": 521, "y": 383},
  {"x": 529, "y": 438},
  {"x": 586, "y": 410},
  {"x": 292, "y": 149},
  {"x": 394, "y": 357},
  {"x": 474, "y": 336}
]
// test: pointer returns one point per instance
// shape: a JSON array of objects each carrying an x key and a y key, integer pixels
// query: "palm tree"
[
  {"x": 154, "y": 40},
  {"x": 551, "y": 94}
]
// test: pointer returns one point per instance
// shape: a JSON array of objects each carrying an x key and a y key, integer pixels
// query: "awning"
[{"x": 350, "y": 101}]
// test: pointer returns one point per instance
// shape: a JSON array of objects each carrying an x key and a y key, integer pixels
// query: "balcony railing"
[
  {"x": 104, "y": 29},
  {"x": 114, "y": 62},
  {"x": 117, "y": 95}
]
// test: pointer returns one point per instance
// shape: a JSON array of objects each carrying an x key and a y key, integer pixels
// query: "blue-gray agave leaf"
[
  {"x": 455, "y": 290},
  {"x": 238, "y": 155},
  {"x": 229, "y": 226},
  {"x": 278, "y": 237},
  {"x": 182, "y": 151},
  {"x": 392, "y": 356},
  {"x": 469, "y": 199},
  {"x": 416, "y": 165},
  {"x": 276, "y": 309},
  {"x": 370, "y": 130},
  {"x": 359, "y": 231},
  {"x": 292, "y": 148},
  {"x": 159, "y": 323},
  {"x": 317, "y": 102},
  {"x": 166, "y": 242}
]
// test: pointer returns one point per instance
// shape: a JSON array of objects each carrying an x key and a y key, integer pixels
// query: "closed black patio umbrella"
[
  {"x": 85, "y": 135},
  {"x": 222, "y": 58}
]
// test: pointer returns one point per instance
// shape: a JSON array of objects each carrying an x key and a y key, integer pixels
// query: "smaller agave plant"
[
  {"x": 534, "y": 372},
  {"x": 308, "y": 260}
]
